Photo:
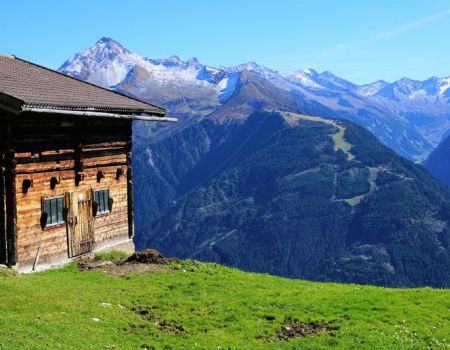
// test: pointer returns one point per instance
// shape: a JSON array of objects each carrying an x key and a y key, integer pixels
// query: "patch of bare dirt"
[
  {"x": 124, "y": 269},
  {"x": 148, "y": 314},
  {"x": 293, "y": 328},
  {"x": 146, "y": 261},
  {"x": 148, "y": 256}
]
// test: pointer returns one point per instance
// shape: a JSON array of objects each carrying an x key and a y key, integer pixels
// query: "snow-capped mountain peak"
[
  {"x": 310, "y": 72},
  {"x": 372, "y": 88},
  {"x": 111, "y": 45},
  {"x": 407, "y": 88},
  {"x": 107, "y": 63},
  {"x": 444, "y": 86},
  {"x": 254, "y": 68},
  {"x": 306, "y": 77},
  {"x": 175, "y": 62}
]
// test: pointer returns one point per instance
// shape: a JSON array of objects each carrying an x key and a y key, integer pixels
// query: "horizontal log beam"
[{"x": 114, "y": 164}]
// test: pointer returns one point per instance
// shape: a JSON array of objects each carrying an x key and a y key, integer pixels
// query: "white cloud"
[{"x": 406, "y": 27}]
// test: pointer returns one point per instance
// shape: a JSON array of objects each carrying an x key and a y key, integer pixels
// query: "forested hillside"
[{"x": 294, "y": 196}]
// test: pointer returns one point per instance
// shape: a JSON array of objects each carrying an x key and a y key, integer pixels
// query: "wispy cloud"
[{"x": 406, "y": 27}]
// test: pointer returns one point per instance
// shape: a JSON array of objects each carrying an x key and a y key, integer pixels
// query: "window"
[
  {"x": 54, "y": 208},
  {"x": 102, "y": 199}
]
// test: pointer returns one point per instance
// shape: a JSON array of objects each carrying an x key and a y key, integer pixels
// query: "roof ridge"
[{"x": 163, "y": 111}]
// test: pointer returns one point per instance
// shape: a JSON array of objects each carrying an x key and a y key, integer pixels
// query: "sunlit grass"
[{"x": 216, "y": 307}]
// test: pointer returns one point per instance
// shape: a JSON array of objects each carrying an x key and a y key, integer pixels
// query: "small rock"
[{"x": 95, "y": 319}]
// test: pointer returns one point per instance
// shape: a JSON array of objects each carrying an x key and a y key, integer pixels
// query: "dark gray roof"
[{"x": 26, "y": 85}]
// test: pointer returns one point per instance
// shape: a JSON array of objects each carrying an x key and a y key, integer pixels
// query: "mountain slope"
[
  {"x": 425, "y": 104},
  {"x": 185, "y": 87},
  {"x": 438, "y": 163},
  {"x": 409, "y": 117},
  {"x": 300, "y": 197}
]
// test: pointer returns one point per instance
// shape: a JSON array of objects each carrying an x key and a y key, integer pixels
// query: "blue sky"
[{"x": 360, "y": 40}]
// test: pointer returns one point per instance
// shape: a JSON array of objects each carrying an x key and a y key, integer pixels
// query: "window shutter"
[
  {"x": 44, "y": 215},
  {"x": 110, "y": 204}
]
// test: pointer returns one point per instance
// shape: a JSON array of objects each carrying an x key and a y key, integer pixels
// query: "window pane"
[
  {"x": 60, "y": 210},
  {"x": 102, "y": 198},
  {"x": 54, "y": 215},
  {"x": 55, "y": 210},
  {"x": 48, "y": 210},
  {"x": 100, "y": 202},
  {"x": 105, "y": 193}
]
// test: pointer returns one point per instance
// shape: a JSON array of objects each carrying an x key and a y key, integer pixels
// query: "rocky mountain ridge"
[{"x": 409, "y": 116}]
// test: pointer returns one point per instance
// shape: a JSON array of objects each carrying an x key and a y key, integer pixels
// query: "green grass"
[
  {"x": 354, "y": 201},
  {"x": 217, "y": 307}
]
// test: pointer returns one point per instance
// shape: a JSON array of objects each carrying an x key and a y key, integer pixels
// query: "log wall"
[
  {"x": 3, "y": 149},
  {"x": 72, "y": 151},
  {"x": 3, "y": 251}
]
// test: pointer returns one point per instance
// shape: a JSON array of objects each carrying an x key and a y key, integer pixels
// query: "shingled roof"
[{"x": 25, "y": 85}]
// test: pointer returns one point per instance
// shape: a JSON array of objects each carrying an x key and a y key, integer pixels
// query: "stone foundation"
[{"x": 125, "y": 246}]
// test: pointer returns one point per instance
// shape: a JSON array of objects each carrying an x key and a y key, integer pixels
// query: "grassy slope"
[
  {"x": 220, "y": 308},
  {"x": 338, "y": 138}
]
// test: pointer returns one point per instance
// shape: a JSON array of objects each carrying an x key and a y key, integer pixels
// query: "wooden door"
[
  {"x": 84, "y": 231},
  {"x": 80, "y": 223}
]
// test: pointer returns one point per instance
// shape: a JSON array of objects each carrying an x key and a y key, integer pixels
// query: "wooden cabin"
[{"x": 65, "y": 166}]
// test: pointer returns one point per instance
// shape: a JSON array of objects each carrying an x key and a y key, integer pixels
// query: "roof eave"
[
  {"x": 156, "y": 111},
  {"x": 10, "y": 103},
  {"x": 137, "y": 115}
]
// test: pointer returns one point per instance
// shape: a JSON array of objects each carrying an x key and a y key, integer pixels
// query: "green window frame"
[
  {"x": 102, "y": 199},
  {"x": 54, "y": 207}
]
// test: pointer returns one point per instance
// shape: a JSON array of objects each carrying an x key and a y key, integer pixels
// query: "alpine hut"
[{"x": 65, "y": 165}]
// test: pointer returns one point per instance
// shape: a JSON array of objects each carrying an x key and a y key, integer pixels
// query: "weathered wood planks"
[{"x": 72, "y": 151}]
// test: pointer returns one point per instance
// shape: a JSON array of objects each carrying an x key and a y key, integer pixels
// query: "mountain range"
[
  {"x": 281, "y": 173},
  {"x": 409, "y": 116}
]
